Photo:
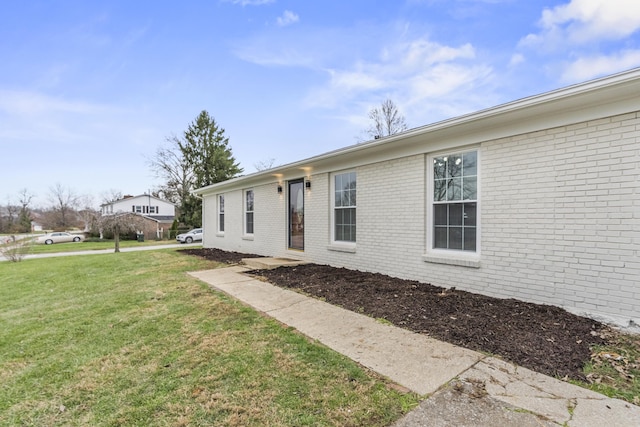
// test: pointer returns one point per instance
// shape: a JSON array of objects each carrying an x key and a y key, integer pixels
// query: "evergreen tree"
[{"x": 206, "y": 149}]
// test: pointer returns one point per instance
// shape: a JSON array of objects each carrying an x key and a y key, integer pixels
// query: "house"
[
  {"x": 537, "y": 199},
  {"x": 157, "y": 214}
]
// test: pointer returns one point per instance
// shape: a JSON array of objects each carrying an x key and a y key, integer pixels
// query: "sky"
[{"x": 90, "y": 90}]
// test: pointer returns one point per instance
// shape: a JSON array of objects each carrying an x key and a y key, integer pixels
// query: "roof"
[
  {"x": 604, "y": 97},
  {"x": 146, "y": 196}
]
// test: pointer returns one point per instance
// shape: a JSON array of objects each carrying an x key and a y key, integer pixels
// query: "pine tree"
[{"x": 206, "y": 149}]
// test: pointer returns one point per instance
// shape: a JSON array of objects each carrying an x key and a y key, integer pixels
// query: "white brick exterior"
[{"x": 559, "y": 214}]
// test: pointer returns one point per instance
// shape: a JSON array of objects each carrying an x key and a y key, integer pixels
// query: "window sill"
[
  {"x": 337, "y": 247},
  {"x": 453, "y": 259},
  {"x": 219, "y": 234},
  {"x": 247, "y": 237}
]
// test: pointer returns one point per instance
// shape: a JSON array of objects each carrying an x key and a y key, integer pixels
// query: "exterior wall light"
[
  {"x": 307, "y": 184},
  {"x": 279, "y": 189}
]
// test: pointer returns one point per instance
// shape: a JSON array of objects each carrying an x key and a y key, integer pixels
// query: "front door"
[{"x": 296, "y": 214}]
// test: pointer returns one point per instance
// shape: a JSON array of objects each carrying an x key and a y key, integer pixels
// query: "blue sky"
[{"x": 89, "y": 90}]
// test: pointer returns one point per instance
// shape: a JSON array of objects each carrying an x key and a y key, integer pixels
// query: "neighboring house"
[
  {"x": 537, "y": 199},
  {"x": 157, "y": 214}
]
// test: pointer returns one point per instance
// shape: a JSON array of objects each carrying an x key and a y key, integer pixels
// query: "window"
[
  {"x": 248, "y": 212},
  {"x": 344, "y": 207},
  {"x": 221, "y": 214},
  {"x": 455, "y": 201}
]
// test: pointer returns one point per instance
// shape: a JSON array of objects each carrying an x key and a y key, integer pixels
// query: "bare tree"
[
  {"x": 120, "y": 223},
  {"x": 387, "y": 120},
  {"x": 110, "y": 196},
  {"x": 64, "y": 202},
  {"x": 264, "y": 164},
  {"x": 169, "y": 164}
]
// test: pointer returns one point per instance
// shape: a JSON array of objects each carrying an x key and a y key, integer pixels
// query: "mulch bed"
[{"x": 543, "y": 338}]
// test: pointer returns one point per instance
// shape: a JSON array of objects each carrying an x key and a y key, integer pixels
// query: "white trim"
[
  {"x": 219, "y": 199},
  {"x": 452, "y": 256},
  {"x": 340, "y": 245},
  {"x": 245, "y": 234}
]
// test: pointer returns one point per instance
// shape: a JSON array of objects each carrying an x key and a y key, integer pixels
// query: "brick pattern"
[{"x": 560, "y": 220}]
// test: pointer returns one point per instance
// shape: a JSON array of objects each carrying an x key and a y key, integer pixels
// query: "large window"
[
  {"x": 455, "y": 201},
  {"x": 221, "y": 213},
  {"x": 248, "y": 212},
  {"x": 344, "y": 227}
]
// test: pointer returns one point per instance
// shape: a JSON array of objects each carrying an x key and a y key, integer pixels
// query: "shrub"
[{"x": 15, "y": 249}]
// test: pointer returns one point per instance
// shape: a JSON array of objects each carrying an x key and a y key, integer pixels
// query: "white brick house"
[{"x": 538, "y": 199}]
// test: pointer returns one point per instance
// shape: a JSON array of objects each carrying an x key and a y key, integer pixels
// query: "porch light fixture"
[
  {"x": 279, "y": 189},
  {"x": 307, "y": 184}
]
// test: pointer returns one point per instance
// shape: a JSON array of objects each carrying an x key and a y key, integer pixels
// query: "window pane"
[
  {"x": 440, "y": 190},
  {"x": 249, "y": 223},
  {"x": 470, "y": 163},
  {"x": 439, "y": 168},
  {"x": 455, "y": 214},
  {"x": 470, "y": 214},
  {"x": 352, "y": 197},
  {"x": 470, "y": 188},
  {"x": 454, "y": 190},
  {"x": 221, "y": 222},
  {"x": 454, "y": 166},
  {"x": 469, "y": 239},
  {"x": 440, "y": 238},
  {"x": 440, "y": 215},
  {"x": 455, "y": 237},
  {"x": 250, "y": 201}
]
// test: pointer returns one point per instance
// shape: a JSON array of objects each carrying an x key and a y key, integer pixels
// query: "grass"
[
  {"x": 130, "y": 339},
  {"x": 614, "y": 369}
]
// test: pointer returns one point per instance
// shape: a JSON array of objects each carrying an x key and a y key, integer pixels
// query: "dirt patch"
[{"x": 543, "y": 338}]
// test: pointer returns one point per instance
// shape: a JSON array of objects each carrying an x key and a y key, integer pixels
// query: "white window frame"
[
  {"x": 451, "y": 256},
  {"x": 221, "y": 214},
  {"x": 340, "y": 245},
  {"x": 245, "y": 212}
]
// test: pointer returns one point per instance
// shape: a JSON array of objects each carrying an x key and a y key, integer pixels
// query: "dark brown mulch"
[
  {"x": 543, "y": 338},
  {"x": 218, "y": 255}
]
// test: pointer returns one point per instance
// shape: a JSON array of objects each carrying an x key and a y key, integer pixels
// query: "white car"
[
  {"x": 59, "y": 237},
  {"x": 191, "y": 236}
]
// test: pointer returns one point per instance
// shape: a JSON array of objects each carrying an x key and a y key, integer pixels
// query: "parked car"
[
  {"x": 59, "y": 237},
  {"x": 190, "y": 236}
]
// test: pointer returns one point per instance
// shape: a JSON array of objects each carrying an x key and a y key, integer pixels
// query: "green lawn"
[{"x": 130, "y": 339}]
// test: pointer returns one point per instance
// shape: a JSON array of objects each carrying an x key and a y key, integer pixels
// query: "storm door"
[{"x": 296, "y": 214}]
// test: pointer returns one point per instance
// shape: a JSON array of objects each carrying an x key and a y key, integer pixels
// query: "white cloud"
[
  {"x": 582, "y": 21},
  {"x": 251, "y": 2},
  {"x": 420, "y": 75},
  {"x": 28, "y": 103},
  {"x": 590, "y": 67},
  {"x": 288, "y": 18}
]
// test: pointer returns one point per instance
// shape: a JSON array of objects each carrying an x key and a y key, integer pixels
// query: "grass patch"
[
  {"x": 614, "y": 369},
  {"x": 130, "y": 339}
]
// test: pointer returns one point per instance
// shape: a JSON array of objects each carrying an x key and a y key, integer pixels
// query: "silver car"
[
  {"x": 59, "y": 237},
  {"x": 194, "y": 235}
]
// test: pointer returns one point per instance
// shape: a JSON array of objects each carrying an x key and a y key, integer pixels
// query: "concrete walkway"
[{"x": 464, "y": 387}]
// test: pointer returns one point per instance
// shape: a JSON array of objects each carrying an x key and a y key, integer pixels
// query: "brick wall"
[{"x": 560, "y": 220}]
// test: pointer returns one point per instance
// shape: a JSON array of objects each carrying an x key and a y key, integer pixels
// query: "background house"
[
  {"x": 537, "y": 200},
  {"x": 157, "y": 214}
]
